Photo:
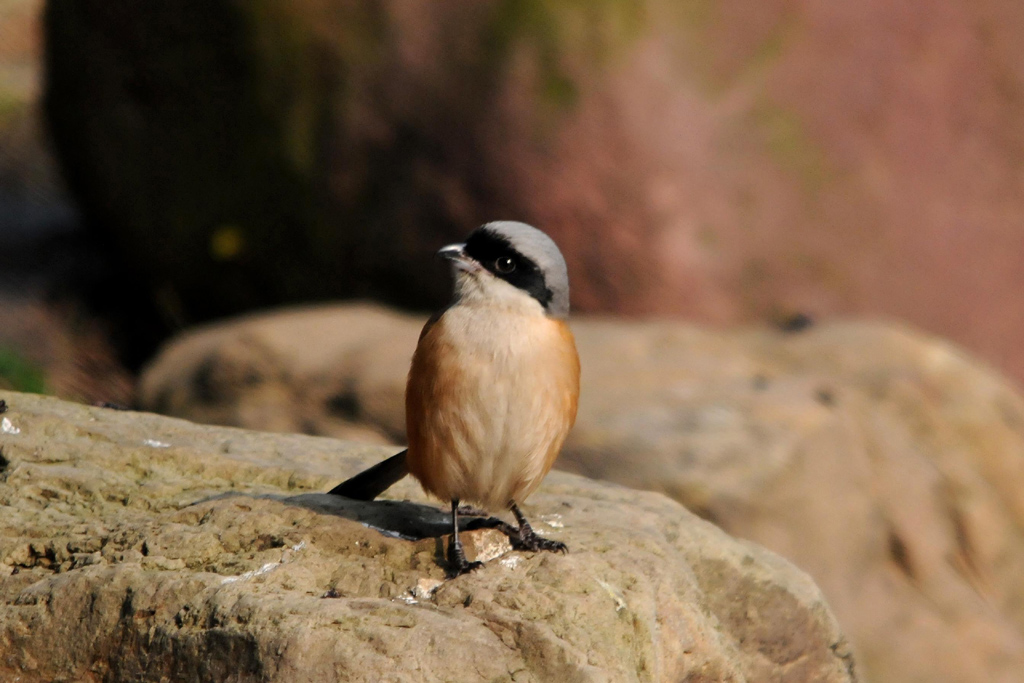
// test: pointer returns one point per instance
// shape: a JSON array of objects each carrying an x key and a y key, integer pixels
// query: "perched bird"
[{"x": 493, "y": 385}]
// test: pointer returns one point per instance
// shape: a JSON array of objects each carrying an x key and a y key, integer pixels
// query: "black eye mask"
[{"x": 490, "y": 250}]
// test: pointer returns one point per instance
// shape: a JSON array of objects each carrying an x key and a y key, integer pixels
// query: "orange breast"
[{"x": 489, "y": 404}]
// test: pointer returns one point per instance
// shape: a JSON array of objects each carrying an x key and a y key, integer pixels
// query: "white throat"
[{"x": 478, "y": 288}]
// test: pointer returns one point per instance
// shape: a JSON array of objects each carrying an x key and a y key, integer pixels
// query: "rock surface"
[
  {"x": 887, "y": 464},
  {"x": 135, "y": 547}
]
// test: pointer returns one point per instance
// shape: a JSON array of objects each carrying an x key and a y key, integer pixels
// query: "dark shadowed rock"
[
  {"x": 885, "y": 463},
  {"x": 135, "y": 547}
]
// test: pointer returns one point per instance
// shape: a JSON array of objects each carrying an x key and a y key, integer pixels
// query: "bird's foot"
[
  {"x": 457, "y": 562},
  {"x": 527, "y": 539},
  {"x": 457, "y": 570},
  {"x": 492, "y": 523}
]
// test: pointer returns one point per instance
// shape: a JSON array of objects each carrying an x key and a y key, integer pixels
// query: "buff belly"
[{"x": 489, "y": 404}]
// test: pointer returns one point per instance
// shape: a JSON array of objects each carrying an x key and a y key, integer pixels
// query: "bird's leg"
[
  {"x": 457, "y": 563},
  {"x": 527, "y": 539},
  {"x": 483, "y": 520}
]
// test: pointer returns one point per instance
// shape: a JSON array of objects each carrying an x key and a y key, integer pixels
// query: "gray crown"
[{"x": 542, "y": 250}]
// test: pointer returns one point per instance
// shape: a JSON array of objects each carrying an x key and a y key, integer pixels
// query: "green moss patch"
[{"x": 20, "y": 374}]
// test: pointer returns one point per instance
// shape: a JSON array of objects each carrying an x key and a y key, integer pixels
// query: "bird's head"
[{"x": 512, "y": 265}]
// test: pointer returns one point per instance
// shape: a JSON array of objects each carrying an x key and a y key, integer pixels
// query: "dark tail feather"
[{"x": 370, "y": 483}]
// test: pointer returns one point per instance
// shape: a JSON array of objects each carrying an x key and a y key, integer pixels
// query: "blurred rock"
[
  {"x": 139, "y": 548},
  {"x": 884, "y": 462},
  {"x": 725, "y": 161},
  {"x": 327, "y": 371}
]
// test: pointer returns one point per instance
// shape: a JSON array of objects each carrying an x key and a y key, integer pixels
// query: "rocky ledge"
[
  {"x": 884, "y": 462},
  {"x": 135, "y": 547}
]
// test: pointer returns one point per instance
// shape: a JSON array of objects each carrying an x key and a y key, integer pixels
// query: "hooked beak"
[{"x": 456, "y": 253}]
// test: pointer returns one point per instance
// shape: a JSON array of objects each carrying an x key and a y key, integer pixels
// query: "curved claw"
[
  {"x": 457, "y": 570},
  {"x": 536, "y": 543},
  {"x": 526, "y": 538}
]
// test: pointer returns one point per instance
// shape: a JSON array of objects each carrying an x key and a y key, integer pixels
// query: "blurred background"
[
  {"x": 723, "y": 162},
  {"x": 724, "y": 165}
]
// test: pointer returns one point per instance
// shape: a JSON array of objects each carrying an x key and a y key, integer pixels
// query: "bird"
[{"x": 493, "y": 386}]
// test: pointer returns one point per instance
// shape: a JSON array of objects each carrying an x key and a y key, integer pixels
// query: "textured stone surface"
[
  {"x": 887, "y": 464},
  {"x": 135, "y": 547}
]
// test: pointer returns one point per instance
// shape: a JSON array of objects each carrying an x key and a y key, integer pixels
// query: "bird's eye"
[{"x": 505, "y": 264}]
